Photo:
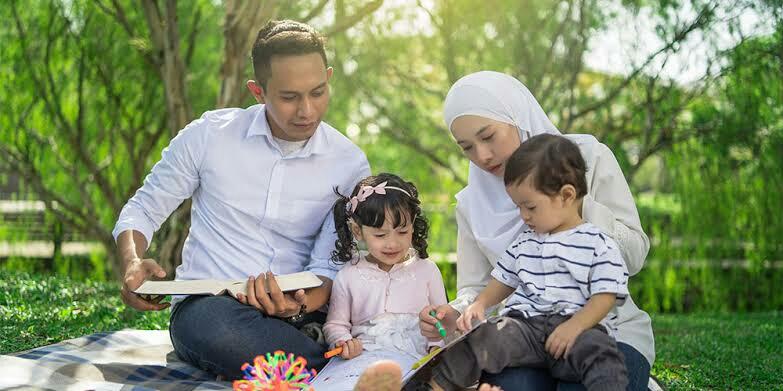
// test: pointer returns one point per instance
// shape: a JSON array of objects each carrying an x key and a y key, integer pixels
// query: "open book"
[
  {"x": 287, "y": 283},
  {"x": 342, "y": 375}
]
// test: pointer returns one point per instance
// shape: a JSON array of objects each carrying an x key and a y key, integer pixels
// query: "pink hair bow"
[{"x": 367, "y": 191}]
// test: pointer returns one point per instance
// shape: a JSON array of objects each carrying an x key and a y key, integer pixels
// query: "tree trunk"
[
  {"x": 240, "y": 27},
  {"x": 164, "y": 34}
]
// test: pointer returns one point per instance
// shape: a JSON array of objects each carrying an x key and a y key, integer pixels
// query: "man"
[{"x": 262, "y": 182}]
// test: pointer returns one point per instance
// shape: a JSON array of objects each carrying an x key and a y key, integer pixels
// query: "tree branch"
[
  {"x": 315, "y": 11},
  {"x": 240, "y": 28},
  {"x": 50, "y": 106},
  {"x": 192, "y": 37},
  {"x": 23, "y": 166},
  {"x": 397, "y": 133},
  {"x": 118, "y": 13},
  {"x": 352, "y": 20},
  {"x": 701, "y": 20}
]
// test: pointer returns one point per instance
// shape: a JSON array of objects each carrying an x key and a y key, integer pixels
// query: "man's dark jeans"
[{"x": 218, "y": 334}]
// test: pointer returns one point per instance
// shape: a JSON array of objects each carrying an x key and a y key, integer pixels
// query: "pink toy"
[{"x": 276, "y": 372}]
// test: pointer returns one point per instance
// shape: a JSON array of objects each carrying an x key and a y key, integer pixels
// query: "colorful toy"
[{"x": 278, "y": 372}]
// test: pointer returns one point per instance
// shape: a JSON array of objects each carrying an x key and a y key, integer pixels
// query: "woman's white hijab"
[{"x": 493, "y": 217}]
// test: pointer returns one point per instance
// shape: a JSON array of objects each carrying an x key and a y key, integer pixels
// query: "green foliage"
[
  {"x": 38, "y": 310},
  {"x": 449, "y": 272},
  {"x": 720, "y": 228}
]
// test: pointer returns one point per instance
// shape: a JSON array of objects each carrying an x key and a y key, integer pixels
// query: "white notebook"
[
  {"x": 287, "y": 283},
  {"x": 342, "y": 375}
]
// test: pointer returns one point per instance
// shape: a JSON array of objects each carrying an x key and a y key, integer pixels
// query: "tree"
[
  {"x": 542, "y": 43},
  {"x": 95, "y": 90},
  {"x": 103, "y": 70}
]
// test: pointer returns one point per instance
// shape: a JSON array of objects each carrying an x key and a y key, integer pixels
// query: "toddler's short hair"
[{"x": 551, "y": 161}]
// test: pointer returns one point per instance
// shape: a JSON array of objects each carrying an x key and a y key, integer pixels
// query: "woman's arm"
[
  {"x": 473, "y": 268},
  {"x": 611, "y": 207}
]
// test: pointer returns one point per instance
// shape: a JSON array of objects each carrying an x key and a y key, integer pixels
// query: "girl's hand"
[
  {"x": 562, "y": 339},
  {"x": 474, "y": 311},
  {"x": 447, "y": 316},
  {"x": 351, "y": 348}
]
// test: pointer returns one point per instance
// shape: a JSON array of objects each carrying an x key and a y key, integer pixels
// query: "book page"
[
  {"x": 342, "y": 375},
  {"x": 287, "y": 283},
  {"x": 189, "y": 287}
]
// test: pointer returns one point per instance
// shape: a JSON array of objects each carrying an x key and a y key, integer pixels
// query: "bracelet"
[{"x": 298, "y": 317}]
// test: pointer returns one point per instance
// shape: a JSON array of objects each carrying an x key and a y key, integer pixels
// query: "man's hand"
[
  {"x": 562, "y": 339},
  {"x": 351, "y": 348},
  {"x": 275, "y": 303},
  {"x": 447, "y": 316},
  {"x": 136, "y": 272}
]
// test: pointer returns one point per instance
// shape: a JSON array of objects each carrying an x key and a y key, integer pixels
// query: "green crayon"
[{"x": 441, "y": 330}]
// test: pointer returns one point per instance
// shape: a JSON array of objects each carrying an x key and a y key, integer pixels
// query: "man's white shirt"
[{"x": 255, "y": 209}]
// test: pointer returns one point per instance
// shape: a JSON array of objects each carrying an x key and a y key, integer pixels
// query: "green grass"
[
  {"x": 720, "y": 351},
  {"x": 39, "y": 310},
  {"x": 695, "y": 351}
]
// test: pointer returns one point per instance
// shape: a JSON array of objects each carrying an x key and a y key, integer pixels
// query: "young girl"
[
  {"x": 565, "y": 276},
  {"x": 376, "y": 298}
]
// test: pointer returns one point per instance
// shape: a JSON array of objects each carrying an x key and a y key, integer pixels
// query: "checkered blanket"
[{"x": 121, "y": 360}]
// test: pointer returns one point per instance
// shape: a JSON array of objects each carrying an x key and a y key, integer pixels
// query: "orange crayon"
[{"x": 333, "y": 352}]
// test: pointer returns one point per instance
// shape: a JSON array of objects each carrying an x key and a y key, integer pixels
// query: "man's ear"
[
  {"x": 568, "y": 193},
  {"x": 356, "y": 230},
  {"x": 329, "y": 72},
  {"x": 257, "y": 90}
]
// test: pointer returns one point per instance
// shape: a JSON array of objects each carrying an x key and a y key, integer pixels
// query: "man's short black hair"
[{"x": 283, "y": 38}]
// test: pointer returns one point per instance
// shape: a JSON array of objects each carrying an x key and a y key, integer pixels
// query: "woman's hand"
[
  {"x": 351, "y": 348},
  {"x": 474, "y": 311},
  {"x": 562, "y": 339},
  {"x": 445, "y": 314}
]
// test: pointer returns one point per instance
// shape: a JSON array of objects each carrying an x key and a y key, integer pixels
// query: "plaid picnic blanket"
[{"x": 121, "y": 360}]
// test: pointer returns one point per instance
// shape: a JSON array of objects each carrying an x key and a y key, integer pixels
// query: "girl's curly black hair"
[{"x": 372, "y": 212}]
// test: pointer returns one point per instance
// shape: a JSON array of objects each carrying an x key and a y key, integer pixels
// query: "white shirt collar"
[{"x": 319, "y": 142}]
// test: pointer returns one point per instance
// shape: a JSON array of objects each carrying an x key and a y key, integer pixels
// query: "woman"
[{"x": 490, "y": 114}]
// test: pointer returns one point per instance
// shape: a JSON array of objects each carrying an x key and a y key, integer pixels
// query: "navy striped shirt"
[{"x": 557, "y": 273}]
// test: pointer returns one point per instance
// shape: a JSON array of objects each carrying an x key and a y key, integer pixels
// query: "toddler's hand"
[
  {"x": 562, "y": 339},
  {"x": 351, "y": 348},
  {"x": 474, "y": 311}
]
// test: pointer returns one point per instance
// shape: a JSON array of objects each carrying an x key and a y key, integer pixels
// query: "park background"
[{"x": 687, "y": 93}]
